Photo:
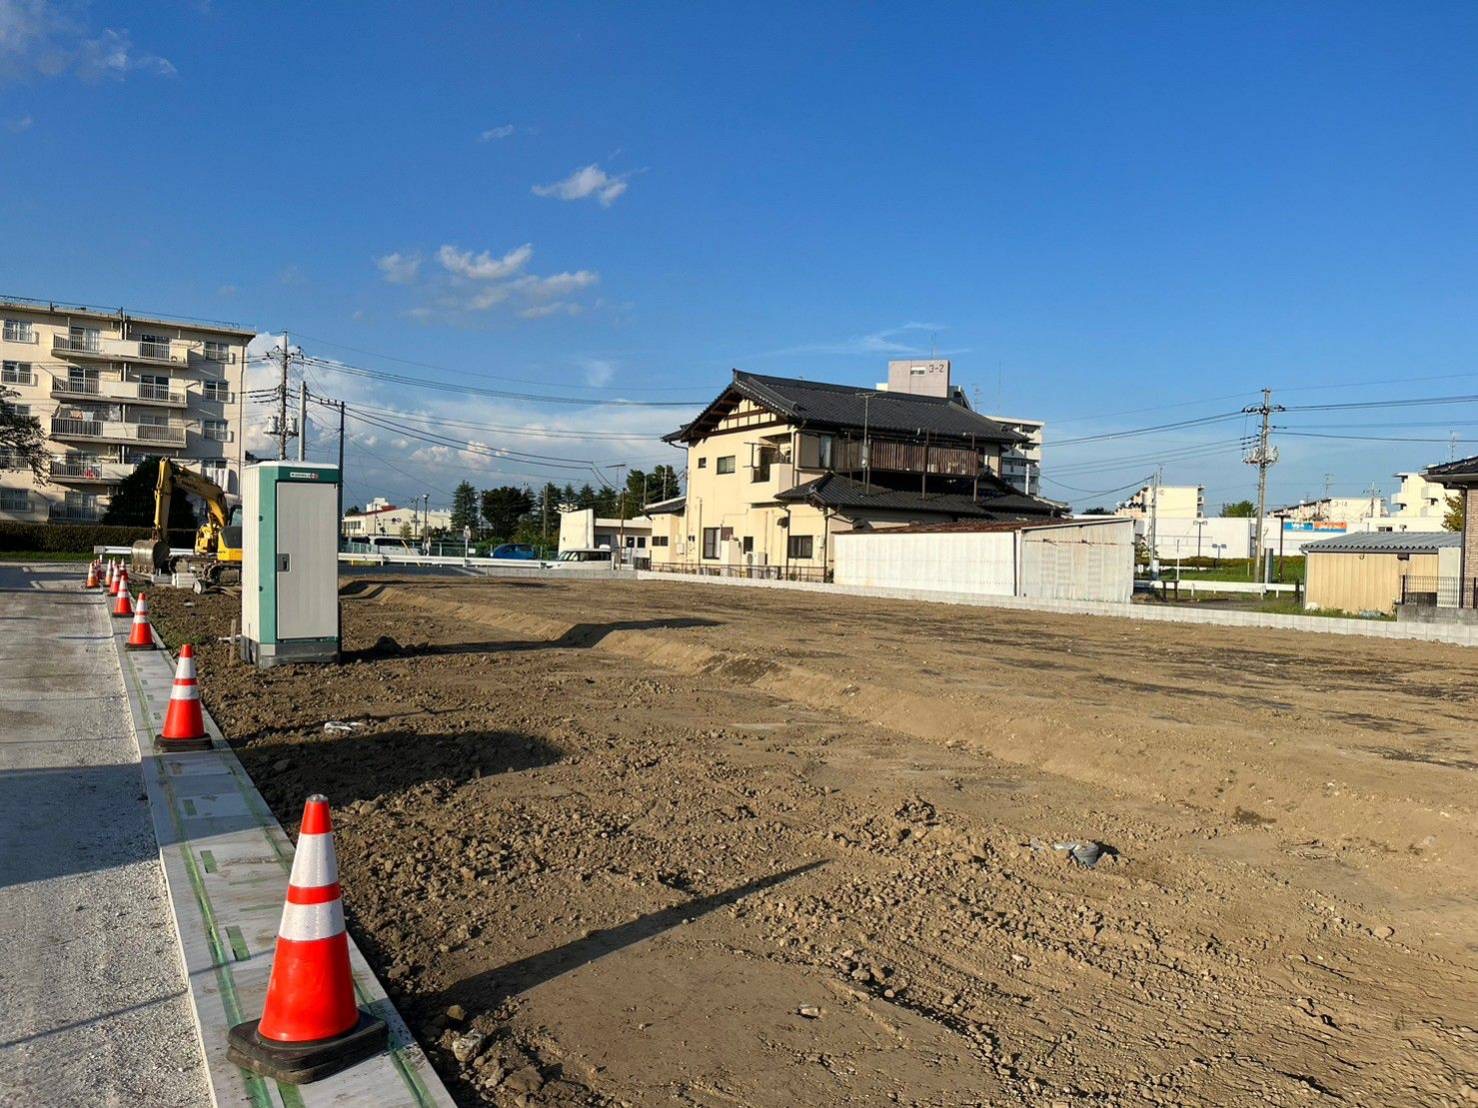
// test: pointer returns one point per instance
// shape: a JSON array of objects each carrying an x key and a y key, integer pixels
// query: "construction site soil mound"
[{"x": 611, "y": 842}]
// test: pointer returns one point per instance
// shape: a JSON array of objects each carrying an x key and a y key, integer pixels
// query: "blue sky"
[{"x": 1097, "y": 211}]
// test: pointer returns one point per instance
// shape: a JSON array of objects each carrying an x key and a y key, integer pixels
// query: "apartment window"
[
  {"x": 724, "y": 464},
  {"x": 152, "y": 419},
  {"x": 216, "y": 390},
  {"x": 84, "y": 338},
  {"x": 20, "y": 409},
  {"x": 154, "y": 346},
  {"x": 17, "y": 373},
  {"x": 83, "y": 380},
  {"x": 15, "y": 500},
  {"x": 800, "y": 546},
  {"x": 215, "y": 470},
  {"x": 215, "y": 429},
  {"x": 710, "y": 542},
  {"x": 154, "y": 386},
  {"x": 19, "y": 330},
  {"x": 702, "y": 463},
  {"x": 217, "y": 351}
]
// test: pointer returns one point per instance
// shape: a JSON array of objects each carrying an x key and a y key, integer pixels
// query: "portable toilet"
[{"x": 290, "y": 563}]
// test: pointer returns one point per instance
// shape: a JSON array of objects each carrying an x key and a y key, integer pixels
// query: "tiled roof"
[
  {"x": 819, "y": 404},
  {"x": 835, "y": 491},
  {"x": 1465, "y": 470}
]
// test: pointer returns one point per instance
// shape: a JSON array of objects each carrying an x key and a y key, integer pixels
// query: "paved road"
[{"x": 92, "y": 992}]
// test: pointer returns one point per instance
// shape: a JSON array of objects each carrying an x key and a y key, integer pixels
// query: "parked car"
[
  {"x": 602, "y": 554},
  {"x": 519, "y": 550}
]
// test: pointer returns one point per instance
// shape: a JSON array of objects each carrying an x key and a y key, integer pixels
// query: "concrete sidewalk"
[{"x": 95, "y": 1005}]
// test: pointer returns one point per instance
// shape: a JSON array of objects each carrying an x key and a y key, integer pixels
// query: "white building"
[
  {"x": 580, "y": 529},
  {"x": 1418, "y": 500},
  {"x": 1021, "y": 465},
  {"x": 1175, "y": 502},
  {"x": 380, "y": 518}
]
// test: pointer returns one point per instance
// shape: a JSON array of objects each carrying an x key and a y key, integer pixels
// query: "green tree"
[
  {"x": 132, "y": 501},
  {"x": 585, "y": 498},
  {"x": 22, "y": 444},
  {"x": 504, "y": 507},
  {"x": 1240, "y": 509},
  {"x": 1098, "y": 511},
  {"x": 1456, "y": 515},
  {"x": 464, "y": 507}
]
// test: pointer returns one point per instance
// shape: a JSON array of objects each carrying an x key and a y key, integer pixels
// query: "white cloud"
[
  {"x": 557, "y": 307},
  {"x": 590, "y": 180},
  {"x": 557, "y": 284},
  {"x": 905, "y": 339},
  {"x": 40, "y": 37},
  {"x": 494, "y": 134},
  {"x": 399, "y": 269},
  {"x": 484, "y": 267},
  {"x": 598, "y": 371},
  {"x": 22, "y": 123}
]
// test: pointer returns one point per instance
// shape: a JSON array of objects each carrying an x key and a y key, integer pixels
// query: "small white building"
[
  {"x": 380, "y": 518},
  {"x": 580, "y": 529}
]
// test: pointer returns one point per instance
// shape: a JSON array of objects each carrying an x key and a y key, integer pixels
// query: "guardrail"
[{"x": 815, "y": 574}]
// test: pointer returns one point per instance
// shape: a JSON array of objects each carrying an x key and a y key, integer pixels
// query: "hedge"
[{"x": 78, "y": 538}]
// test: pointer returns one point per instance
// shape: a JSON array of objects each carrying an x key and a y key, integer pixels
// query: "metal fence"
[
  {"x": 748, "y": 572},
  {"x": 1418, "y": 591}
]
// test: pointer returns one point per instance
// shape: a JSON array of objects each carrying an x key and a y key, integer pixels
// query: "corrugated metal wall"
[
  {"x": 1355, "y": 582},
  {"x": 1083, "y": 562}
]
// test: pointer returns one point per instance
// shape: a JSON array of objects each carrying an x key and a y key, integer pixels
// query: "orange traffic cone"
[
  {"x": 141, "y": 635},
  {"x": 184, "y": 722},
  {"x": 310, "y": 1027},
  {"x": 112, "y": 578},
  {"x": 124, "y": 606},
  {"x": 92, "y": 576}
]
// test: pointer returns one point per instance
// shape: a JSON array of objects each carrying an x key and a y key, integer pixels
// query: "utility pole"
[
  {"x": 621, "y": 512},
  {"x": 282, "y": 403},
  {"x": 1263, "y": 455},
  {"x": 341, "y": 468},
  {"x": 1155, "y": 523},
  {"x": 303, "y": 419}
]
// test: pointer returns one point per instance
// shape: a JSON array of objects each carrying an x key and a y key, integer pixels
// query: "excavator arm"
[{"x": 213, "y": 539}]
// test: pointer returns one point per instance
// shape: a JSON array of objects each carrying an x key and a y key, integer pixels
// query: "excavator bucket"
[{"x": 150, "y": 556}]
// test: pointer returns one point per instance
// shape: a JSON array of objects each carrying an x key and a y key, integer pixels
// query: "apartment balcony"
[
  {"x": 107, "y": 430},
  {"x": 89, "y": 472},
  {"x": 80, "y": 348},
  {"x": 74, "y": 513},
  {"x": 118, "y": 390},
  {"x": 14, "y": 376}
]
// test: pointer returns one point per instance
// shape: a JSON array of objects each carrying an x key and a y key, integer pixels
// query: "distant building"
[
  {"x": 1371, "y": 571},
  {"x": 382, "y": 519},
  {"x": 778, "y": 466},
  {"x": 581, "y": 529},
  {"x": 1021, "y": 463},
  {"x": 112, "y": 388},
  {"x": 1345, "y": 509},
  {"x": 1419, "y": 499},
  {"x": 1175, "y": 502}
]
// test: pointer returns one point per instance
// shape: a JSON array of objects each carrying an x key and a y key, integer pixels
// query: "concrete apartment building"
[
  {"x": 1175, "y": 502},
  {"x": 1419, "y": 504},
  {"x": 776, "y": 467},
  {"x": 111, "y": 388}
]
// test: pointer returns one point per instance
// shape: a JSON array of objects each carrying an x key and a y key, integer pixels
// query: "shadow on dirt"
[
  {"x": 355, "y": 766},
  {"x": 490, "y": 988},
  {"x": 582, "y": 636}
]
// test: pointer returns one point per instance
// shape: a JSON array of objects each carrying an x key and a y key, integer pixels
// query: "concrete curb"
[
  {"x": 226, "y": 861},
  {"x": 1462, "y": 634}
]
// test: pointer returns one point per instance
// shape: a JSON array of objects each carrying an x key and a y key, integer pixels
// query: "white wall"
[
  {"x": 1090, "y": 561},
  {"x": 1178, "y": 537},
  {"x": 980, "y": 562},
  {"x": 1079, "y": 560},
  {"x": 577, "y": 530}
]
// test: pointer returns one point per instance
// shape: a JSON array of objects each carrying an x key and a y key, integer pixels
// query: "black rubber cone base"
[
  {"x": 300, "y": 1063},
  {"x": 162, "y": 744},
  {"x": 130, "y": 646}
]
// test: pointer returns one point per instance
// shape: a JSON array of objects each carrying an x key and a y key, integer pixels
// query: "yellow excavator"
[{"x": 217, "y": 559}]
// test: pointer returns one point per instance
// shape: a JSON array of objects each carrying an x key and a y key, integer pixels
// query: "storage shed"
[
  {"x": 1369, "y": 571},
  {"x": 1081, "y": 559}
]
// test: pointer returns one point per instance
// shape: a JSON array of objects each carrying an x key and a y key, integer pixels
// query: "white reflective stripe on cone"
[
  {"x": 186, "y": 668},
  {"x": 315, "y": 863},
  {"x": 185, "y": 692},
  {"x": 305, "y": 922}
]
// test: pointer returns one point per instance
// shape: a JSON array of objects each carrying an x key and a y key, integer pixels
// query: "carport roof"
[
  {"x": 1386, "y": 542},
  {"x": 1464, "y": 471}
]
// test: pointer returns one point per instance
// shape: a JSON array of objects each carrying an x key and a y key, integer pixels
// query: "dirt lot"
[{"x": 655, "y": 842}]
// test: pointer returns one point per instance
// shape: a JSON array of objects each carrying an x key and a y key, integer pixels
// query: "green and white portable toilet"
[{"x": 290, "y": 563}]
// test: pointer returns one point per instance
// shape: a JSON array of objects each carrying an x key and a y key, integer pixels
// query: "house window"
[
  {"x": 15, "y": 500},
  {"x": 799, "y": 546},
  {"x": 724, "y": 464},
  {"x": 19, "y": 330},
  {"x": 659, "y": 540},
  {"x": 215, "y": 429},
  {"x": 746, "y": 544},
  {"x": 702, "y": 463},
  {"x": 216, "y": 390},
  {"x": 217, "y": 351},
  {"x": 710, "y": 542},
  {"x": 17, "y": 373}
]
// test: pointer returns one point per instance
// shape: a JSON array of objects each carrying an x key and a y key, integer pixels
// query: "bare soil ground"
[{"x": 640, "y": 843}]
